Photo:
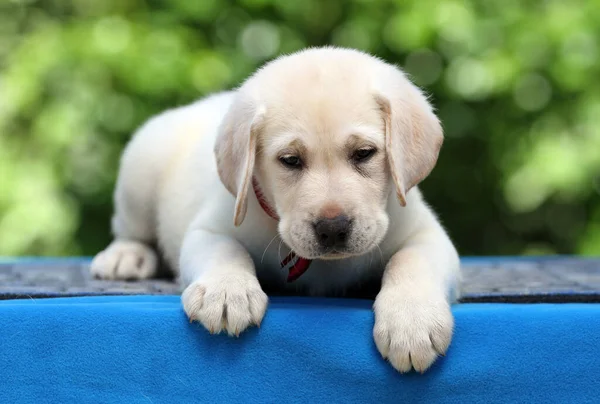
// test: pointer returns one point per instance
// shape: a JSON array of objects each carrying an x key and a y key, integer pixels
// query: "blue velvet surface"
[{"x": 141, "y": 349}]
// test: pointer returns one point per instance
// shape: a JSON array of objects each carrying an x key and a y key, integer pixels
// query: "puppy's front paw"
[
  {"x": 227, "y": 302},
  {"x": 411, "y": 332},
  {"x": 125, "y": 260}
]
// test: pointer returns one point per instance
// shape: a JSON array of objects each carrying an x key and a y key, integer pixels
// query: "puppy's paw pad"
[
  {"x": 125, "y": 260},
  {"x": 225, "y": 303},
  {"x": 411, "y": 334}
]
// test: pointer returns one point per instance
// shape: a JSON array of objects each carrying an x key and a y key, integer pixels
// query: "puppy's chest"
[{"x": 322, "y": 278}]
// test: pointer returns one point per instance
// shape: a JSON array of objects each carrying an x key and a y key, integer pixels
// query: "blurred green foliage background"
[{"x": 516, "y": 83}]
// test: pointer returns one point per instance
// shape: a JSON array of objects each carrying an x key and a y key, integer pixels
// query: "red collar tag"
[{"x": 299, "y": 265}]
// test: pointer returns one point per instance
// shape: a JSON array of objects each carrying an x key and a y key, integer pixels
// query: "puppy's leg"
[
  {"x": 413, "y": 321},
  {"x": 222, "y": 291},
  {"x": 130, "y": 256}
]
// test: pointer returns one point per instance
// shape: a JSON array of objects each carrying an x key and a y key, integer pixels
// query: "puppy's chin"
[
  {"x": 339, "y": 255},
  {"x": 319, "y": 254}
]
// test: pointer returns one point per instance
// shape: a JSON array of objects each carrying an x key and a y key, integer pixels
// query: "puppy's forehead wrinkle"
[
  {"x": 295, "y": 144},
  {"x": 363, "y": 138},
  {"x": 285, "y": 144}
]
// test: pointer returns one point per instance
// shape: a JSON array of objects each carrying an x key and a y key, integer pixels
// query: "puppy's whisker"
[
  {"x": 279, "y": 250},
  {"x": 380, "y": 255},
  {"x": 267, "y": 247}
]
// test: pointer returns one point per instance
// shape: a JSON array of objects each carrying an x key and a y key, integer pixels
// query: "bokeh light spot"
[
  {"x": 454, "y": 20},
  {"x": 210, "y": 73},
  {"x": 424, "y": 66},
  {"x": 260, "y": 40},
  {"x": 581, "y": 49},
  {"x": 532, "y": 92},
  {"x": 354, "y": 34},
  {"x": 469, "y": 78},
  {"x": 112, "y": 34}
]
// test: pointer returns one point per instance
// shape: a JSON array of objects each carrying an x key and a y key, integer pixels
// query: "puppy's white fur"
[{"x": 184, "y": 183}]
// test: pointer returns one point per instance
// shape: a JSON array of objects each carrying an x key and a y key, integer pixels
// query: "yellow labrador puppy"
[{"x": 305, "y": 178}]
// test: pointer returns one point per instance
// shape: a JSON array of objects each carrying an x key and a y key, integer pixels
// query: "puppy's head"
[{"x": 327, "y": 133}]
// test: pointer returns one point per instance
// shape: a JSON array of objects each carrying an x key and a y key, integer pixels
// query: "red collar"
[{"x": 301, "y": 264}]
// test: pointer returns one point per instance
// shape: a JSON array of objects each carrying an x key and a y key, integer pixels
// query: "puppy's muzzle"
[{"x": 333, "y": 233}]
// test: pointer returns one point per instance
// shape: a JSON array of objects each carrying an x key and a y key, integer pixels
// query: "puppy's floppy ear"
[
  {"x": 235, "y": 149},
  {"x": 413, "y": 134}
]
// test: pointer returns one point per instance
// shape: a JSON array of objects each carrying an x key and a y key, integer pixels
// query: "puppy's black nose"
[{"x": 333, "y": 232}]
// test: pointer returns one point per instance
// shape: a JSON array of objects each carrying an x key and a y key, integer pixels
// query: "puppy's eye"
[
  {"x": 362, "y": 155},
  {"x": 291, "y": 161}
]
